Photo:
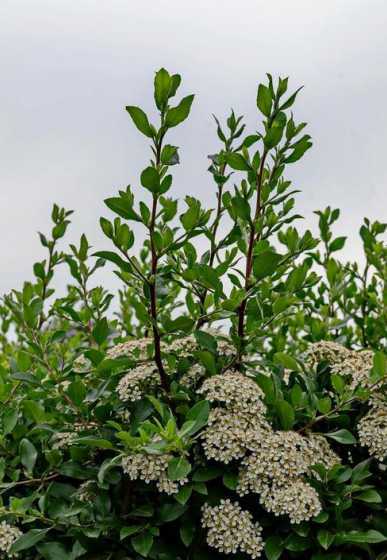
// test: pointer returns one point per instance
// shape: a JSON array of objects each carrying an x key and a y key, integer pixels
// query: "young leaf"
[
  {"x": 178, "y": 468},
  {"x": 264, "y": 100},
  {"x": 265, "y": 264},
  {"x": 163, "y": 84},
  {"x": 237, "y": 161},
  {"x": 273, "y": 548},
  {"x": 286, "y": 414},
  {"x": 142, "y": 543},
  {"x": 28, "y": 540},
  {"x": 178, "y": 114},
  {"x": 150, "y": 179},
  {"x": 140, "y": 120},
  {"x": 342, "y": 436},
  {"x": 28, "y": 454}
]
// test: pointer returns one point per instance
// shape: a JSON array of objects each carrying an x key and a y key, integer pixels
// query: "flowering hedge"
[{"x": 230, "y": 401}]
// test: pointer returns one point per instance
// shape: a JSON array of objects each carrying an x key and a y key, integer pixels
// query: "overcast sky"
[{"x": 68, "y": 68}]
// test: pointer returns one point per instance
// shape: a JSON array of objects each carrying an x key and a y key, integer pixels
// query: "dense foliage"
[{"x": 226, "y": 403}]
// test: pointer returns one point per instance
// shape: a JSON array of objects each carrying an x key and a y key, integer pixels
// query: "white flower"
[
  {"x": 229, "y": 433},
  {"x": 8, "y": 535},
  {"x": 231, "y": 529},
  {"x": 234, "y": 391},
  {"x": 136, "y": 381},
  {"x": 298, "y": 500},
  {"x": 372, "y": 429},
  {"x": 151, "y": 468}
]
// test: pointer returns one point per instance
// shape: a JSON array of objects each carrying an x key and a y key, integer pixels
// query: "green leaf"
[
  {"x": 10, "y": 417},
  {"x": 122, "y": 206},
  {"x": 342, "y": 436},
  {"x": 178, "y": 468},
  {"x": 361, "y": 537},
  {"x": 171, "y": 512},
  {"x": 208, "y": 360},
  {"x": 187, "y": 532},
  {"x": 94, "y": 442},
  {"x": 230, "y": 480},
  {"x": 29, "y": 539},
  {"x": 101, "y": 331},
  {"x": 175, "y": 83},
  {"x": 129, "y": 531},
  {"x": 163, "y": 85},
  {"x": 169, "y": 155},
  {"x": 206, "y": 340},
  {"x": 265, "y": 264},
  {"x": 324, "y": 405},
  {"x": 285, "y": 413},
  {"x": 150, "y": 179},
  {"x": 204, "y": 474},
  {"x": 369, "y": 496},
  {"x": 273, "y": 548},
  {"x": 237, "y": 161},
  {"x": 140, "y": 120},
  {"x": 142, "y": 543},
  {"x": 77, "y": 392},
  {"x": 286, "y": 361},
  {"x": 289, "y": 102},
  {"x": 184, "y": 494},
  {"x": 337, "y": 244},
  {"x": 273, "y": 137},
  {"x": 178, "y": 114},
  {"x": 299, "y": 149},
  {"x": 53, "y": 551},
  {"x": 199, "y": 415},
  {"x": 34, "y": 410},
  {"x": 114, "y": 258},
  {"x": 264, "y": 100},
  {"x": 325, "y": 538},
  {"x": 379, "y": 366},
  {"x": 28, "y": 454}
]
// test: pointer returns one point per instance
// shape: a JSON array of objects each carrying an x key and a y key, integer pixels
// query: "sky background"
[{"x": 69, "y": 67}]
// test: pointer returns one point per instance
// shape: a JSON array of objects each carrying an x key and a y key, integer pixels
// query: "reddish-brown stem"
[
  {"x": 152, "y": 287},
  {"x": 253, "y": 237}
]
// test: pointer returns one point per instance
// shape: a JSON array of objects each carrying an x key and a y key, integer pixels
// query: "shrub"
[{"x": 228, "y": 402}]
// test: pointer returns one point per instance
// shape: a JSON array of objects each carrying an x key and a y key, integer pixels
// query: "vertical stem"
[
  {"x": 152, "y": 285},
  {"x": 213, "y": 248},
  {"x": 45, "y": 285},
  {"x": 249, "y": 257}
]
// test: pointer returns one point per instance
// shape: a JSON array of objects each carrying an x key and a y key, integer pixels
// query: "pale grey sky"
[{"x": 68, "y": 67}]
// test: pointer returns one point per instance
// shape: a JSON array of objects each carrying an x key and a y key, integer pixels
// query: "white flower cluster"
[
  {"x": 233, "y": 426},
  {"x": 298, "y": 500},
  {"x": 232, "y": 529},
  {"x": 8, "y": 535},
  {"x": 274, "y": 463},
  {"x": 187, "y": 345},
  {"x": 325, "y": 351},
  {"x": 151, "y": 468},
  {"x": 276, "y": 468},
  {"x": 356, "y": 364},
  {"x": 235, "y": 391},
  {"x": 372, "y": 429},
  {"x": 139, "y": 349},
  {"x": 229, "y": 434},
  {"x": 137, "y": 381},
  {"x": 62, "y": 440}
]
